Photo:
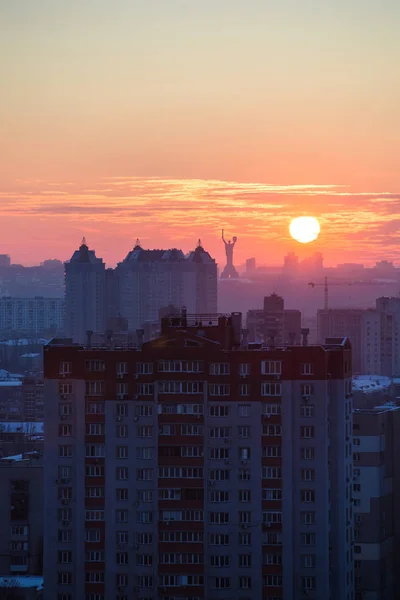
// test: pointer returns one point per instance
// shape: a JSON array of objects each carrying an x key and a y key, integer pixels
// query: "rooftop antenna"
[
  {"x": 199, "y": 243},
  {"x": 137, "y": 243},
  {"x": 84, "y": 241}
]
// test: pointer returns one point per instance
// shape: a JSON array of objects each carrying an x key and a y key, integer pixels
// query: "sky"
[{"x": 168, "y": 120}]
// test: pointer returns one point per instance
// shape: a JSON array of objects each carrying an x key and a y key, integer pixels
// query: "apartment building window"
[
  {"x": 356, "y": 456},
  {"x": 94, "y": 577},
  {"x": 65, "y": 410},
  {"x": 244, "y": 496},
  {"x": 271, "y": 389},
  {"x": 244, "y": 431},
  {"x": 271, "y": 367},
  {"x": 180, "y": 580},
  {"x": 220, "y": 432},
  {"x": 220, "y": 560},
  {"x": 122, "y": 431},
  {"x": 122, "y": 494},
  {"x": 307, "y": 539},
  {"x": 65, "y": 493},
  {"x": 121, "y": 558},
  {"x": 244, "y": 453},
  {"x": 219, "y": 453},
  {"x": 64, "y": 556},
  {"x": 95, "y": 556},
  {"x": 271, "y": 409},
  {"x": 272, "y": 539},
  {"x": 307, "y": 496},
  {"x": 218, "y": 410},
  {"x": 307, "y": 453},
  {"x": 356, "y": 502},
  {"x": 181, "y": 387},
  {"x": 19, "y": 530},
  {"x": 144, "y": 495},
  {"x": 272, "y": 451},
  {"x": 244, "y": 369},
  {"x": 64, "y": 451},
  {"x": 244, "y": 583},
  {"x": 144, "y": 368},
  {"x": 64, "y": 514},
  {"x": 122, "y": 452},
  {"x": 122, "y": 537},
  {"x": 307, "y": 369},
  {"x": 272, "y": 580},
  {"x": 144, "y": 453},
  {"x": 92, "y": 535},
  {"x": 356, "y": 487},
  {"x": 64, "y": 596},
  {"x": 272, "y": 559},
  {"x": 307, "y": 518},
  {"x": 122, "y": 473},
  {"x": 144, "y": 560},
  {"x": 65, "y": 389},
  {"x": 144, "y": 431},
  {"x": 307, "y": 474},
  {"x": 64, "y": 578},
  {"x": 307, "y": 390},
  {"x": 307, "y": 410},
  {"x": 64, "y": 536},
  {"x": 219, "y": 518},
  {"x": 219, "y": 539},
  {"x": 308, "y": 583},
  {"x": 181, "y": 515},
  {"x": 272, "y": 430},
  {"x": 180, "y": 366},
  {"x": 219, "y": 475},
  {"x": 145, "y": 538},
  {"x": 245, "y": 517},
  {"x": 95, "y": 429},
  {"x": 192, "y": 429},
  {"x": 170, "y": 494},
  {"x": 220, "y": 369},
  {"x": 66, "y": 430},
  {"x": 244, "y": 410},
  {"x": 65, "y": 368},
  {"x": 244, "y": 539},
  {"x": 220, "y": 583},
  {"x": 95, "y": 366},
  {"x": 94, "y": 492},
  {"x": 244, "y": 390},
  {"x": 244, "y": 474},
  {"x": 167, "y": 430},
  {"x": 95, "y": 450},
  {"x": 144, "y": 410},
  {"x": 94, "y": 388},
  {"x": 192, "y": 451},
  {"x": 308, "y": 561},
  {"x": 145, "y": 389},
  {"x": 95, "y": 408},
  {"x": 219, "y": 389},
  {"x": 272, "y": 516},
  {"x": 122, "y": 390},
  {"x": 122, "y": 368},
  {"x": 144, "y": 474},
  {"x": 94, "y": 515},
  {"x": 356, "y": 441},
  {"x": 271, "y": 494},
  {"x": 121, "y": 409},
  {"x": 218, "y": 496},
  {"x": 121, "y": 516},
  {"x": 307, "y": 432}
]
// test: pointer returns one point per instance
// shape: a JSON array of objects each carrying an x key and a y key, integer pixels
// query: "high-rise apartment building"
[
  {"x": 381, "y": 338},
  {"x": 149, "y": 280},
  {"x": 274, "y": 323},
  {"x": 85, "y": 294},
  {"x": 343, "y": 322},
  {"x": 197, "y": 467},
  {"x": 31, "y": 315},
  {"x": 375, "y": 500}
]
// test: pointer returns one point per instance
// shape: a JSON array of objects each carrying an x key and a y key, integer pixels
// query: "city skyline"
[{"x": 168, "y": 122}]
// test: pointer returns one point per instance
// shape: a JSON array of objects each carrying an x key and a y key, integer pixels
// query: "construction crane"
[{"x": 326, "y": 288}]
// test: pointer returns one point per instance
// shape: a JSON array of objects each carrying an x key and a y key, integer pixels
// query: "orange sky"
[{"x": 170, "y": 120}]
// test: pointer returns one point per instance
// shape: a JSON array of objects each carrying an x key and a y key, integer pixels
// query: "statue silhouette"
[{"x": 229, "y": 271}]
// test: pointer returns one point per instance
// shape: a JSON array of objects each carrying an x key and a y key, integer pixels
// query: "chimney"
[
  {"x": 139, "y": 337},
  {"x": 292, "y": 338},
  {"x": 304, "y": 334},
  {"x": 89, "y": 338}
]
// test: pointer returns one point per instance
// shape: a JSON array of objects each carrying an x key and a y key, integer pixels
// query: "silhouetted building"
[
  {"x": 151, "y": 279},
  {"x": 194, "y": 464},
  {"x": 250, "y": 266},
  {"x": 381, "y": 338},
  {"x": 5, "y": 261},
  {"x": 274, "y": 324},
  {"x": 85, "y": 293},
  {"x": 343, "y": 322},
  {"x": 32, "y": 315},
  {"x": 291, "y": 264}
]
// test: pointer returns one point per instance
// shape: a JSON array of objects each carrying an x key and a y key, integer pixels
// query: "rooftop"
[
  {"x": 368, "y": 384},
  {"x": 23, "y": 581}
]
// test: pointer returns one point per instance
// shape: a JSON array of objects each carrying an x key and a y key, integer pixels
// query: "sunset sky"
[{"x": 167, "y": 120}]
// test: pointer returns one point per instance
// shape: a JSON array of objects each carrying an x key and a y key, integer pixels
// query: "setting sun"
[{"x": 304, "y": 229}]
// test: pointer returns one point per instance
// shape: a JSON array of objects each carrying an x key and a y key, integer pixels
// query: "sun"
[{"x": 304, "y": 229}]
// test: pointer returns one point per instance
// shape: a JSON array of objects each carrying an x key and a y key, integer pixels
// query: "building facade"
[
  {"x": 31, "y": 315},
  {"x": 381, "y": 338},
  {"x": 197, "y": 467},
  {"x": 149, "y": 280},
  {"x": 85, "y": 294},
  {"x": 274, "y": 323},
  {"x": 375, "y": 497},
  {"x": 343, "y": 322}
]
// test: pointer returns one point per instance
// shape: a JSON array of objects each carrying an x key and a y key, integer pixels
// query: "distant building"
[
  {"x": 5, "y": 261},
  {"x": 291, "y": 264},
  {"x": 250, "y": 266},
  {"x": 376, "y": 487},
  {"x": 151, "y": 279},
  {"x": 274, "y": 323},
  {"x": 30, "y": 316},
  {"x": 381, "y": 338},
  {"x": 342, "y": 322},
  {"x": 85, "y": 294},
  {"x": 21, "y": 515}
]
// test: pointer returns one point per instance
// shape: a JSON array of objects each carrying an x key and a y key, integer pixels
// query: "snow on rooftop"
[
  {"x": 23, "y": 581},
  {"x": 20, "y": 426},
  {"x": 14, "y": 457},
  {"x": 369, "y": 384}
]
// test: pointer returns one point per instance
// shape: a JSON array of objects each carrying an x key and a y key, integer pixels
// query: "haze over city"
[{"x": 170, "y": 120}]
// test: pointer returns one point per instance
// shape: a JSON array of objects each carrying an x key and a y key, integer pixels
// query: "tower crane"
[{"x": 326, "y": 288}]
